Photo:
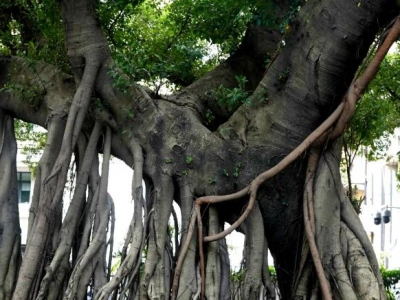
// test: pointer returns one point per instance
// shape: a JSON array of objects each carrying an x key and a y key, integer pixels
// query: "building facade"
[{"x": 379, "y": 185}]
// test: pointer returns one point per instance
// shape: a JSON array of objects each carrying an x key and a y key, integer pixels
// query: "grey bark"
[
  {"x": 303, "y": 85},
  {"x": 10, "y": 231}
]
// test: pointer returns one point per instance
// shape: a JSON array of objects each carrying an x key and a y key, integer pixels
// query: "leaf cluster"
[
  {"x": 390, "y": 279},
  {"x": 32, "y": 141},
  {"x": 33, "y": 29},
  {"x": 377, "y": 113},
  {"x": 232, "y": 98},
  {"x": 181, "y": 40}
]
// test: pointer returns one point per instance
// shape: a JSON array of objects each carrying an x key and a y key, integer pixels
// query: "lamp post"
[{"x": 387, "y": 214}]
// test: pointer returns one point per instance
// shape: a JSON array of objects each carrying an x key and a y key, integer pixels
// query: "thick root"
[
  {"x": 213, "y": 268},
  {"x": 10, "y": 239}
]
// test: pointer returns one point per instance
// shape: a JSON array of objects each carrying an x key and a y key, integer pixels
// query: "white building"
[
  {"x": 378, "y": 181},
  {"x": 25, "y": 189}
]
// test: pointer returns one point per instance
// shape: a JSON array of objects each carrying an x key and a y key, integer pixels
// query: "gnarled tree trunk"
[{"x": 300, "y": 89}]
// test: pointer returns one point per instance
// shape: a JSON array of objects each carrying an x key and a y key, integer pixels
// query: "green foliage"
[
  {"x": 211, "y": 180},
  {"x": 175, "y": 42},
  {"x": 164, "y": 43},
  {"x": 28, "y": 93},
  {"x": 283, "y": 77},
  {"x": 151, "y": 42},
  {"x": 225, "y": 173},
  {"x": 263, "y": 15},
  {"x": 209, "y": 117},
  {"x": 390, "y": 278},
  {"x": 238, "y": 276},
  {"x": 33, "y": 29},
  {"x": 188, "y": 159},
  {"x": 129, "y": 113},
  {"x": 272, "y": 273},
  {"x": 378, "y": 112},
  {"x": 32, "y": 141},
  {"x": 237, "y": 169},
  {"x": 231, "y": 99}
]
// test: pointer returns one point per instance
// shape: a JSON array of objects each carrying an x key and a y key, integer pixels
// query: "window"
[{"x": 24, "y": 186}]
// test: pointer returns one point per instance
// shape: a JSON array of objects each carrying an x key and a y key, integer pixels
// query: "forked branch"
[{"x": 318, "y": 137}]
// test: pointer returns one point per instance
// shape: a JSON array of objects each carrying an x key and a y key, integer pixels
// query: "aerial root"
[
  {"x": 131, "y": 262},
  {"x": 254, "y": 254},
  {"x": 10, "y": 242},
  {"x": 225, "y": 270},
  {"x": 201, "y": 251},
  {"x": 182, "y": 255},
  {"x": 84, "y": 263},
  {"x": 349, "y": 217},
  {"x": 153, "y": 283},
  {"x": 213, "y": 267},
  {"x": 252, "y": 189},
  {"x": 270, "y": 292},
  {"x": 362, "y": 277},
  {"x": 317, "y": 138},
  {"x": 187, "y": 280},
  {"x": 72, "y": 217},
  {"x": 309, "y": 224}
]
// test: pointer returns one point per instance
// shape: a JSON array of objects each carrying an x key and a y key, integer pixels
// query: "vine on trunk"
[{"x": 329, "y": 130}]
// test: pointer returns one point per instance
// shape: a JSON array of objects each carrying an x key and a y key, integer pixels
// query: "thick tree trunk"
[
  {"x": 10, "y": 232},
  {"x": 181, "y": 159}
]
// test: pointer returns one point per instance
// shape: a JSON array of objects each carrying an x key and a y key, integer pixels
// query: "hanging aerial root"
[
  {"x": 349, "y": 216},
  {"x": 182, "y": 255},
  {"x": 72, "y": 217},
  {"x": 10, "y": 237},
  {"x": 130, "y": 264},
  {"x": 76, "y": 115},
  {"x": 319, "y": 136},
  {"x": 103, "y": 212},
  {"x": 188, "y": 280},
  {"x": 213, "y": 267},
  {"x": 111, "y": 241},
  {"x": 260, "y": 179},
  {"x": 254, "y": 250},
  {"x": 359, "y": 85},
  {"x": 309, "y": 224},
  {"x": 266, "y": 276},
  {"x": 201, "y": 252},
  {"x": 225, "y": 270},
  {"x": 39, "y": 230},
  {"x": 153, "y": 283},
  {"x": 352, "y": 96},
  {"x": 252, "y": 189}
]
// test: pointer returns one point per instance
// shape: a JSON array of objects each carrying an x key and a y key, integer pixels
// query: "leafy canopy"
[
  {"x": 378, "y": 112},
  {"x": 151, "y": 40}
]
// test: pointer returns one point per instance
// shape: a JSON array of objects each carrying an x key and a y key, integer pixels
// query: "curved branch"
[
  {"x": 291, "y": 157},
  {"x": 358, "y": 86}
]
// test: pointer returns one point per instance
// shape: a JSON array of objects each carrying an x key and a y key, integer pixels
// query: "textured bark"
[
  {"x": 10, "y": 232},
  {"x": 305, "y": 83}
]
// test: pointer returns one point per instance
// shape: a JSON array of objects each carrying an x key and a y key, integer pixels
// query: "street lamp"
[{"x": 387, "y": 214}]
